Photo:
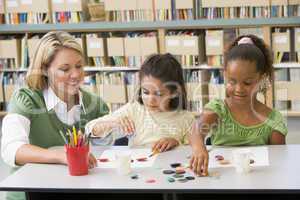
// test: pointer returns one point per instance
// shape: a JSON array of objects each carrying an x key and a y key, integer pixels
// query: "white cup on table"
[
  {"x": 123, "y": 162},
  {"x": 241, "y": 160}
]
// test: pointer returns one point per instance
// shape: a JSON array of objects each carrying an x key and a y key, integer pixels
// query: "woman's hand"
[
  {"x": 92, "y": 161},
  {"x": 62, "y": 158},
  {"x": 165, "y": 144},
  {"x": 199, "y": 161}
]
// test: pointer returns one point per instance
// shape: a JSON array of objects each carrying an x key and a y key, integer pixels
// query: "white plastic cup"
[
  {"x": 123, "y": 163},
  {"x": 241, "y": 160}
]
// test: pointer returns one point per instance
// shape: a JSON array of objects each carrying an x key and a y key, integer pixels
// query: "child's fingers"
[
  {"x": 192, "y": 162},
  {"x": 170, "y": 146},
  {"x": 132, "y": 125},
  {"x": 159, "y": 145},
  {"x": 124, "y": 126},
  {"x": 164, "y": 146},
  {"x": 205, "y": 166},
  {"x": 128, "y": 125},
  {"x": 199, "y": 166},
  {"x": 154, "y": 146}
]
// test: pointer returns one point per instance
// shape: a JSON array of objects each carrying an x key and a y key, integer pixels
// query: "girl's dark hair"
[
  {"x": 257, "y": 52},
  {"x": 168, "y": 70}
]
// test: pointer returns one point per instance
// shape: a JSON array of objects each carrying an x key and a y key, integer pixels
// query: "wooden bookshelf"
[
  {"x": 161, "y": 27},
  {"x": 144, "y": 26}
]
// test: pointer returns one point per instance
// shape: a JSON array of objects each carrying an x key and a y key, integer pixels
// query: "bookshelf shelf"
[
  {"x": 290, "y": 113},
  {"x": 287, "y": 65},
  {"x": 126, "y": 68},
  {"x": 110, "y": 69},
  {"x": 119, "y": 68},
  {"x": 142, "y": 26}
]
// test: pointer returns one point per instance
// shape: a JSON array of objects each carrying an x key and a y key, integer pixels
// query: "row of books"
[
  {"x": 43, "y": 11},
  {"x": 195, "y": 9},
  {"x": 161, "y": 10},
  {"x": 74, "y": 11},
  {"x": 250, "y": 9},
  {"x": 132, "y": 48}
]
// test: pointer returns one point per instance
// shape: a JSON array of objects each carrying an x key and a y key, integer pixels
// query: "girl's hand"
[
  {"x": 126, "y": 125},
  {"x": 199, "y": 161},
  {"x": 165, "y": 144},
  {"x": 92, "y": 161}
]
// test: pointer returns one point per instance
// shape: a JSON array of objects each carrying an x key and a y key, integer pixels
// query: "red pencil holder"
[{"x": 78, "y": 160}]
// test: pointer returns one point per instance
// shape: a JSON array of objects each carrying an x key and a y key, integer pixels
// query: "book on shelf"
[
  {"x": 182, "y": 9},
  {"x": 10, "y": 53},
  {"x": 234, "y": 9},
  {"x": 297, "y": 44},
  {"x": 116, "y": 51},
  {"x": 69, "y": 11},
  {"x": 185, "y": 46},
  {"x": 108, "y": 82},
  {"x": 281, "y": 93},
  {"x": 193, "y": 81},
  {"x": 96, "y": 49},
  {"x": 121, "y": 11},
  {"x": 162, "y": 10},
  {"x": 216, "y": 41},
  {"x": 11, "y": 82},
  {"x": 281, "y": 45},
  {"x": 279, "y": 8},
  {"x": 138, "y": 46},
  {"x": 132, "y": 85},
  {"x": 294, "y": 81},
  {"x": 294, "y": 8},
  {"x": 145, "y": 10},
  {"x": 28, "y": 12}
]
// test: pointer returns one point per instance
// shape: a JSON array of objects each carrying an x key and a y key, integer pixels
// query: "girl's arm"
[
  {"x": 277, "y": 138},
  {"x": 201, "y": 127},
  {"x": 103, "y": 126}
]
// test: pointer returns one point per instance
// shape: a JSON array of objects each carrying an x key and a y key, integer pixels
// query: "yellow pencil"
[
  {"x": 75, "y": 135},
  {"x": 156, "y": 151}
]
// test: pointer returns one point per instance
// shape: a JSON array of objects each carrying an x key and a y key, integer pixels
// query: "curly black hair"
[{"x": 257, "y": 52}]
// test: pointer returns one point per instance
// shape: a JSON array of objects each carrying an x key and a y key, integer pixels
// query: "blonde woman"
[{"x": 52, "y": 100}]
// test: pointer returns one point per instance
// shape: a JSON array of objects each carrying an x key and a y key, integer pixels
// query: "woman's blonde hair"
[{"x": 45, "y": 53}]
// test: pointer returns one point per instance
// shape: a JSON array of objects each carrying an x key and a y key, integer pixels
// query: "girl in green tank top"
[{"x": 239, "y": 119}]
